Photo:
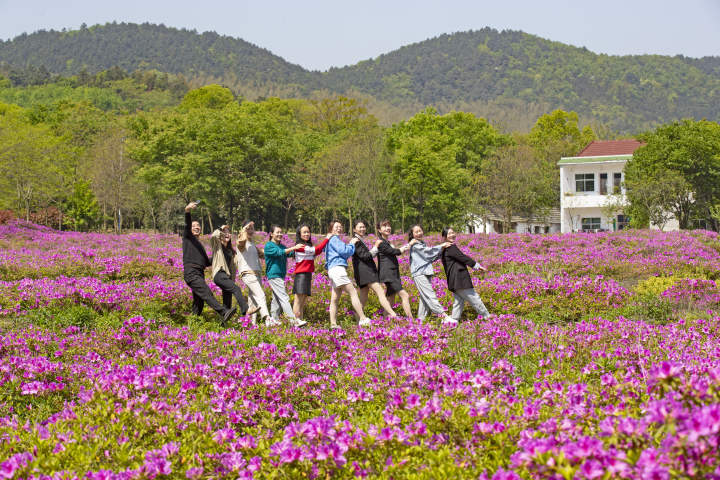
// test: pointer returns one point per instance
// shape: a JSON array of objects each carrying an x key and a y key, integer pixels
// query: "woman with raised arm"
[
  {"x": 276, "y": 255},
  {"x": 224, "y": 269},
  {"x": 365, "y": 271},
  {"x": 337, "y": 253},
  {"x": 304, "y": 267},
  {"x": 195, "y": 261},
  {"x": 456, "y": 266},
  {"x": 389, "y": 269},
  {"x": 248, "y": 266},
  {"x": 422, "y": 257}
]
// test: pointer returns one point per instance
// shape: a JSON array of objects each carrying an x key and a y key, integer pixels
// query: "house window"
[
  {"x": 617, "y": 180},
  {"x": 590, "y": 224},
  {"x": 603, "y": 184},
  {"x": 584, "y": 182},
  {"x": 622, "y": 222}
]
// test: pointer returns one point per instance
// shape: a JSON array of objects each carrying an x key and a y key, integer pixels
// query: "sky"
[{"x": 320, "y": 34}]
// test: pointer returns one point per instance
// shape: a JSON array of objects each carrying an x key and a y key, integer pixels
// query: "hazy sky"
[{"x": 325, "y": 33}]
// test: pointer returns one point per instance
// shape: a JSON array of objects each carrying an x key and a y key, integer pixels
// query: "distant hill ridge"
[{"x": 483, "y": 71}]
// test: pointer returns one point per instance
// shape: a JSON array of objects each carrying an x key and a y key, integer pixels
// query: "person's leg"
[
  {"x": 428, "y": 299},
  {"x": 421, "y": 288},
  {"x": 355, "y": 300},
  {"x": 299, "y": 304},
  {"x": 198, "y": 304},
  {"x": 405, "y": 299},
  {"x": 280, "y": 296},
  {"x": 229, "y": 289},
  {"x": 458, "y": 305},
  {"x": 472, "y": 297},
  {"x": 384, "y": 303},
  {"x": 196, "y": 282},
  {"x": 256, "y": 294},
  {"x": 363, "y": 296},
  {"x": 334, "y": 301}
]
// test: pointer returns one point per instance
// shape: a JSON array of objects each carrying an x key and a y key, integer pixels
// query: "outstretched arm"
[{"x": 455, "y": 253}]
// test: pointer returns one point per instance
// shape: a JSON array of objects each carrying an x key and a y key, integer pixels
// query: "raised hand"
[
  {"x": 354, "y": 240},
  {"x": 191, "y": 206}
]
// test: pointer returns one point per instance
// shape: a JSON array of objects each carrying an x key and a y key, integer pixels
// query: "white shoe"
[
  {"x": 271, "y": 322},
  {"x": 364, "y": 322},
  {"x": 449, "y": 321},
  {"x": 296, "y": 322}
]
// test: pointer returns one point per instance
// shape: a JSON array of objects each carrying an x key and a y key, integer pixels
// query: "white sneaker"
[
  {"x": 449, "y": 321},
  {"x": 364, "y": 322},
  {"x": 296, "y": 322},
  {"x": 271, "y": 322}
]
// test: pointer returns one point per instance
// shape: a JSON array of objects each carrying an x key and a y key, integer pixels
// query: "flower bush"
[{"x": 104, "y": 376}]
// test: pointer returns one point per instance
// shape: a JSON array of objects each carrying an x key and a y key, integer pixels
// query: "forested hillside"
[{"x": 510, "y": 77}]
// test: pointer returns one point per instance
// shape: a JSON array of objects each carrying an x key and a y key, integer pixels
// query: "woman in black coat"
[
  {"x": 365, "y": 271},
  {"x": 388, "y": 268},
  {"x": 456, "y": 266}
]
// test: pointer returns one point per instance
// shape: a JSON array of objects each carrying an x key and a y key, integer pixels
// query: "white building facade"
[{"x": 592, "y": 188}]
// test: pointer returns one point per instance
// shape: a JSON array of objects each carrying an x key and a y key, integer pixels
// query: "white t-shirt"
[{"x": 248, "y": 260}]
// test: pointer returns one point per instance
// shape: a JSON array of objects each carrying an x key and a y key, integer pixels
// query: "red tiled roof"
[{"x": 598, "y": 148}]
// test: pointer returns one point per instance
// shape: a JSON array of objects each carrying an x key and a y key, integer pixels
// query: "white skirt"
[{"x": 338, "y": 276}]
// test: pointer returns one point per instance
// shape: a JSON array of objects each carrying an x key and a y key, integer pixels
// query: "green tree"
[
  {"x": 434, "y": 159},
  {"x": 691, "y": 150},
  {"x": 209, "y": 96},
  {"x": 82, "y": 207}
]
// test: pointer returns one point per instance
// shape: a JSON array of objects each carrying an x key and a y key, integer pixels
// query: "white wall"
[{"x": 576, "y": 205}]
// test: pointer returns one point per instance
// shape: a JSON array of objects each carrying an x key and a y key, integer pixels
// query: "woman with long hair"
[
  {"x": 389, "y": 269},
  {"x": 422, "y": 257},
  {"x": 224, "y": 269},
  {"x": 456, "y": 266},
  {"x": 304, "y": 267},
  {"x": 337, "y": 253},
  {"x": 276, "y": 255},
  {"x": 365, "y": 271}
]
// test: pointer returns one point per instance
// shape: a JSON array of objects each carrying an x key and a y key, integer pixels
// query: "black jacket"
[
  {"x": 455, "y": 264},
  {"x": 193, "y": 251},
  {"x": 388, "y": 268},
  {"x": 364, "y": 269}
]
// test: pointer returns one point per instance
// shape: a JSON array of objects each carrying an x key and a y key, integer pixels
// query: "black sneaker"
[{"x": 227, "y": 316}]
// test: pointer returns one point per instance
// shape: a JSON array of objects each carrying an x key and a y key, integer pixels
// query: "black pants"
[
  {"x": 230, "y": 289},
  {"x": 195, "y": 279}
]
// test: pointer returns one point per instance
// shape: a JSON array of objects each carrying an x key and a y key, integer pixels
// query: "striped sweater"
[{"x": 305, "y": 258}]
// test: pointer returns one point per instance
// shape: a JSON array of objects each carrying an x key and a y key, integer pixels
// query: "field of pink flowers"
[{"x": 601, "y": 360}]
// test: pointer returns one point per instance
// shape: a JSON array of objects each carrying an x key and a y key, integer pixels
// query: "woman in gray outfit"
[{"x": 422, "y": 272}]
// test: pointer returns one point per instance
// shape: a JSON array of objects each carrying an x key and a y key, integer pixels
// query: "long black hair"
[
  {"x": 444, "y": 232},
  {"x": 299, "y": 239},
  {"x": 410, "y": 232}
]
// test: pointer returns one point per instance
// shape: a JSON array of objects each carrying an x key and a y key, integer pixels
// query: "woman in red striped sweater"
[{"x": 304, "y": 267}]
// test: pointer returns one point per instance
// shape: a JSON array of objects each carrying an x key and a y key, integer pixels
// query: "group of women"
[{"x": 383, "y": 277}]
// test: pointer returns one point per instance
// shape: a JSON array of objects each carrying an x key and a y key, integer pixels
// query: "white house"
[
  {"x": 492, "y": 223},
  {"x": 588, "y": 182}
]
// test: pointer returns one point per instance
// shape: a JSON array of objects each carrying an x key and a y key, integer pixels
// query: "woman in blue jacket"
[{"x": 337, "y": 253}]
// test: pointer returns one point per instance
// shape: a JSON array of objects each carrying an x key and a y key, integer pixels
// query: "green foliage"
[
  {"x": 690, "y": 151},
  {"x": 483, "y": 71},
  {"x": 434, "y": 157},
  {"x": 82, "y": 207},
  {"x": 209, "y": 96}
]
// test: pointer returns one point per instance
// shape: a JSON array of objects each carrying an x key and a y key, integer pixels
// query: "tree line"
[{"x": 287, "y": 161}]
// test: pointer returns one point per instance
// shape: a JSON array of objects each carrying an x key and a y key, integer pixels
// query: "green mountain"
[
  {"x": 149, "y": 47},
  {"x": 509, "y": 76}
]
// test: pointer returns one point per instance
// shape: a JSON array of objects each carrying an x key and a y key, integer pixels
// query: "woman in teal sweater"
[{"x": 275, "y": 270}]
